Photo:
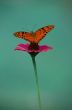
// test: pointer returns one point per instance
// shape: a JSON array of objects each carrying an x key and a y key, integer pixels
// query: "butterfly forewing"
[
  {"x": 40, "y": 33},
  {"x": 25, "y": 35}
]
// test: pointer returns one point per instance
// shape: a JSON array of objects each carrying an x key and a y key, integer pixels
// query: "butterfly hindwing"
[{"x": 40, "y": 33}]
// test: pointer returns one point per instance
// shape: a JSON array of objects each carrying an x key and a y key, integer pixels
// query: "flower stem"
[{"x": 37, "y": 82}]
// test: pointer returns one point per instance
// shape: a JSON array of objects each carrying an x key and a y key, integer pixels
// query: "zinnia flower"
[{"x": 33, "y": 48}]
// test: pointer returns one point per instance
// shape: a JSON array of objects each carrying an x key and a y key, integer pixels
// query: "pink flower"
[{"x": 33, "y": 48}]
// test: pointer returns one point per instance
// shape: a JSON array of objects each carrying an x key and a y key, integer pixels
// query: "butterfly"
[{"x": 35, "y": 37}]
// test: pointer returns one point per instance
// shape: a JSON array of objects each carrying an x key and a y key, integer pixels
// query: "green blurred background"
[{"x": 17, "y": 79}]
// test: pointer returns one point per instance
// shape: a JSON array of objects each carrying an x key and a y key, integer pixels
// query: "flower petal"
[
  {"x": 22, "y": 47},
  {"x": 44, "y": 48}
]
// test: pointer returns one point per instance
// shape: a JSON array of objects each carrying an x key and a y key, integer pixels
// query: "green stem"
[{"x": 37, "y": 82}]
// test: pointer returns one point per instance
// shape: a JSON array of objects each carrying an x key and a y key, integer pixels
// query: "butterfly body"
[{"x": 34, "y": 37}]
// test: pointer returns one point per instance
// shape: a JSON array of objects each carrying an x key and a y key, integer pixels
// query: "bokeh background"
[{"x": 17, "y": 78}]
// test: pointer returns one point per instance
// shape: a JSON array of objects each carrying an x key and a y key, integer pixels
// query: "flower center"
[{"x": 33, "y": 46}]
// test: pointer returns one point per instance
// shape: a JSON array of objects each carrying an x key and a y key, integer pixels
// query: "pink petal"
[
  {"x": 24, "y": 47},
  {"x": 44, "y": 48}
]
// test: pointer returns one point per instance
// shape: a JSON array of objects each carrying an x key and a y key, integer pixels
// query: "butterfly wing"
[
  {"x": 25, "y": 35},
  {"x": 40, "y": 33}
]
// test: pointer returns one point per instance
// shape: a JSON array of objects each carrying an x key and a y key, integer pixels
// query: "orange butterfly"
[{"x": 34, "y": 37}]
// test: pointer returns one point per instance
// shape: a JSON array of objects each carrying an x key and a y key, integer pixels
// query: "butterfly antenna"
[
  {"x": 24, "y": 29},
  {"x": 32, "y": 30},
  {"x": 33, "y": 27}
]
